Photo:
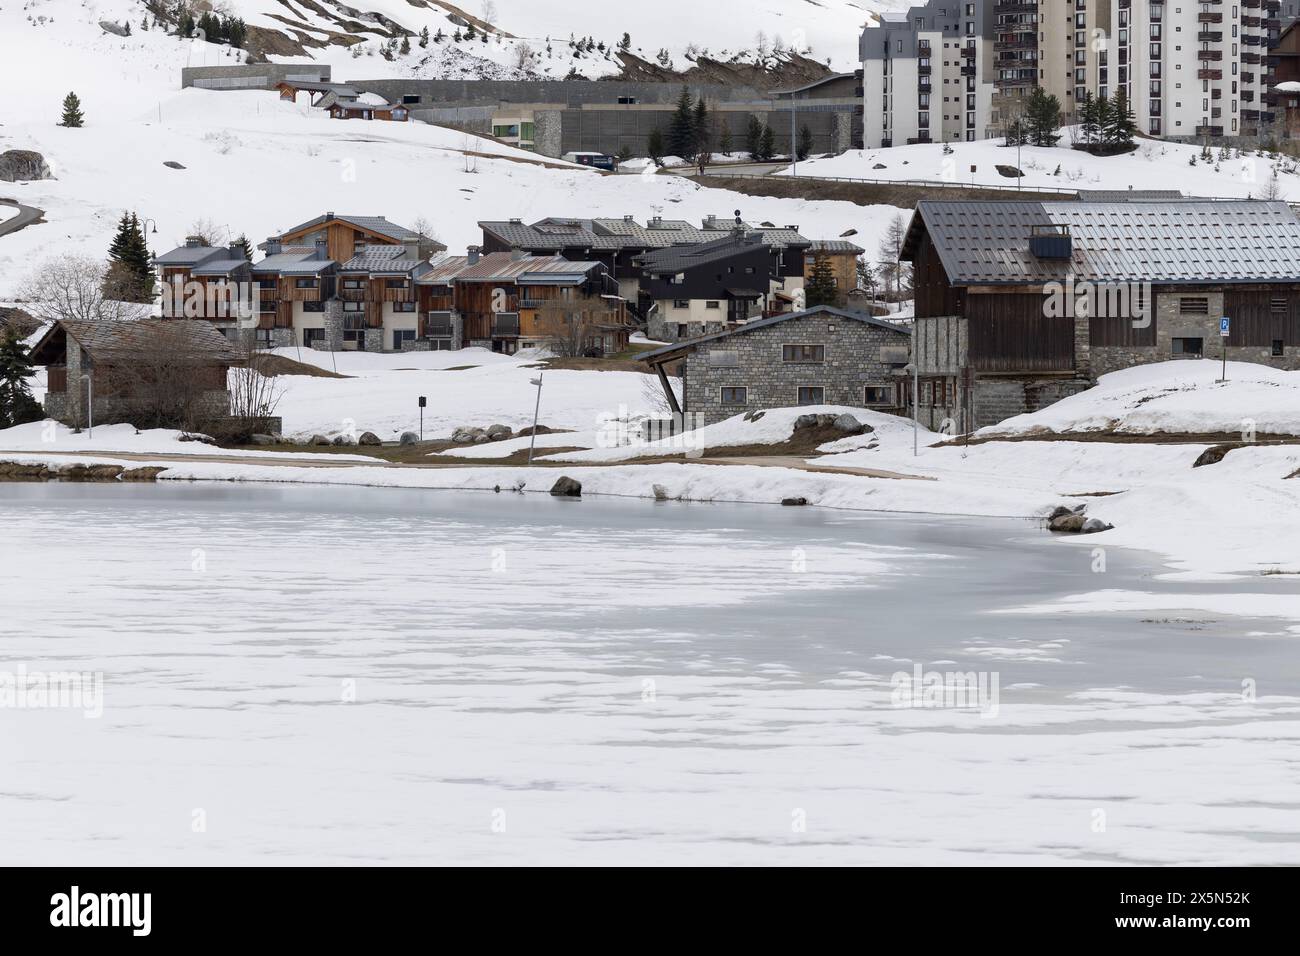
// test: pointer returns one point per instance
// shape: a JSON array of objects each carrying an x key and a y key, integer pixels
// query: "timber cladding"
[{"x": 1011, "y": 333}]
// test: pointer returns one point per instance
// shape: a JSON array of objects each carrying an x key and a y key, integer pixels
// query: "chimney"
[
  {"x": 273, "y": 246},
  {"x": 472, "y": 255},
  {"x": 655, "y": 221},
  {"x": 194, "y": 242},
  {"x": 236, "y": 250},
  {"x": 793, "y": 228},
  {"x": 412, "y": 247},
  {"x": 329, "y": 215},
  {"x": 516, "y": 222},
  {"x": 517, "y": 254},
  {"x": 628, "y": 219},
  {"x": 710, "y": 221},
  {"x": 321, "y": 249}
]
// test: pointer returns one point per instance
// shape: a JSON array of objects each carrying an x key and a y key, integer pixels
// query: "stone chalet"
[
  {"x": 1020, "y": 304},
  {"x": 113, "y": 363},
  {"x": 822, "y": 356}
]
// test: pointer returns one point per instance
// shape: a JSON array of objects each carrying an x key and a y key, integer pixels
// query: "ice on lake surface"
[{"x": 325, "y": 675}]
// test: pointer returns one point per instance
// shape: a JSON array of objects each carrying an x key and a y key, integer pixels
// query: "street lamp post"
[
  {"x": 532, "y": 439},
  {"x": 914, "y": 370},
  {"x": 90, "y": 405}
]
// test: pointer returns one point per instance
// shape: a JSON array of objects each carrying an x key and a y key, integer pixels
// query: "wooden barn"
[{"x": 1020, "y": 304}]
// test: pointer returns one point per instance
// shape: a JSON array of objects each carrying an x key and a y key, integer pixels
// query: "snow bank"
[{"x": 1173, "y": 397}]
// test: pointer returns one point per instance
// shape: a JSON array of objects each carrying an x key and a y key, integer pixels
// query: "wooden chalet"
[{"x": 1019, "y": 304}]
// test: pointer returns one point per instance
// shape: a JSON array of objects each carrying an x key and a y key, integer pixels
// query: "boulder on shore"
[
  {"x": 409, "y": 438},
  {"x": 319, "y": 440},
  {"x": 369, "y": 438},
  {"x": 794, "y": 502},
  {"x": 259, "y": 439},
  {"x": 497, "y": 432},
  {"x": 567, "y": 487}
]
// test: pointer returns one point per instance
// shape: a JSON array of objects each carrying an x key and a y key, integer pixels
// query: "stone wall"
[
  {"x": 252, "y": 76},
  {"x": 852, "y": 360},
  {"x": 997, "y": 399}
]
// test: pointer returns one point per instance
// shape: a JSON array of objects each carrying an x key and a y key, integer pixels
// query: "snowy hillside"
[
  {"x": 1154, "y": 165},
  {"x": 440, "y": 39},
  {"x": 257, "y": 165}
]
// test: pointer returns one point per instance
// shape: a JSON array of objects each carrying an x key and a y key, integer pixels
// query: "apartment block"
[{"x": 1190, "y": 70}]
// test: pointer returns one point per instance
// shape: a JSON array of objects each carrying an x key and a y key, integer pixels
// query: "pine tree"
[
  {"x": 754, "y": 138},
  {"x": 439, "y": 36},
  {"x": 470, "y": 33},
  {"x": 424, "y": 37},
  {"x": 724, "y": 139},
  {"x": 655, "y": 146},
  {"x": 1123, "y": 125},
  {"x": 144, "y": 24},
  {"x": 1088, "y": 120},
  {"x": 625, "y": 44},
  {"x": 1105, "y": 121},
  {"x": 768, "y": 148},
  {"x": 805, "y": 143},
  {"x": 406, "y": 44},
  {"x": 1044, "y": 114},
  {"x": 681, "y": 128},
  {"x": 131, "y": 263},
  {"x": 127, "y": 26},
  {"x": 244, "y": 246},
  {"x": 17, "y": 406},
  {"x": 72, "y": 116},
  {"x": 820, "y": 288},
  {"x": 702, "y": 138}
]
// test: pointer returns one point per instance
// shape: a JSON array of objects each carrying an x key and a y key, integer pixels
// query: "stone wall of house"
[
  {"x": 374, "y": 340},
  {"x": 853, "y": 360},
  {"x": 1172, "y": 324},
  {"x": 997, "y": 399},
  {"x": 334, "y": 325}
]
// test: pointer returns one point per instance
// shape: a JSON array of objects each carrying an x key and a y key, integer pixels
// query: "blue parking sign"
[{"x": 1223, "y": 326}]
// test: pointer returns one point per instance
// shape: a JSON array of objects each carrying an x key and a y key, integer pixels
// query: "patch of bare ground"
[
  {"x": 862, "y": 194},
  {"x": 272, "y": 365}
]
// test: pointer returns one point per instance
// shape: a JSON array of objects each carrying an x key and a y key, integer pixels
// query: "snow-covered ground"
[
  {"x": 256, "y": 165},
  {"x": 1154, "y": 165},
  {"x": 467, "y": 387}
]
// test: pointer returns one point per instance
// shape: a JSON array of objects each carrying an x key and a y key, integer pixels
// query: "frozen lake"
[{"x": 335, "y": 675}]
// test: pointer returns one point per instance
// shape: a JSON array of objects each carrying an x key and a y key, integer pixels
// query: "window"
[
  {"x": 721, "y": 359},
  {"x": 681, "y": 303},
  {"x": 734, "y": 395},
  {"x": 395, "y": 283},
  {"x": 304, "y": 283},
  {"x": 1193, "y": 306},
  {"x": 712, "y": 304},
  {"x": 313, "y": 306},
  {"x": 878, "y": 395},
  {"x": 1277, "y": 305},
  {"x": 354, "y": 283},
  {"x": 812, "y": 395},
  {"x": 311, "y": 336},
  {"x": 1187, "y": 346},
  {"x": 410, "y": 98},
  {"x": 403, "y": 306},
  {"x": 400, "y": 336},
  {"x": 1277, "y": 347},
  {"x": 803, "y": 353},
  {"x": 354, "y": 307}
]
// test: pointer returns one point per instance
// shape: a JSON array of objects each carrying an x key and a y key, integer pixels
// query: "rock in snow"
[
  {"x": 567, "y": 487},
  {"x": 408, "y": 438},
  {"x": 369, "y": 438},
  {"x": 23, "y": 165}
]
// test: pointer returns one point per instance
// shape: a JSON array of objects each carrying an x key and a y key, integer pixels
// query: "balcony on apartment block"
[
  {"x": 1212, "y": 16},
  {"x": 1209, "y": 131},
  {"x": 1209, "y": 74}
]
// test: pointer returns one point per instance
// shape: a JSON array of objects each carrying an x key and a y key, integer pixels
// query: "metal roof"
[
  {"x": 1190, "y": 241},
  {"x": 680, "y": 258},
  {"x": 293, "y": 263},
  {"x": 219, "y": 267},
  {"x": 189, "y": 255},
  {"x": 833, "y": 246},
  {"x": 383, "y": 261},
  {"x": 1127, "y": 195},
  {"x": 687, "y": 344},
  {"x": 505, "y": 267}
]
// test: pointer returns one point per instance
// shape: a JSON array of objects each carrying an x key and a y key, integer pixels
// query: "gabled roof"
[
  {"x": 681, "y": 258},
  {"x": 383, "y": 261},
  {"x": 376, "y": 224},
  {"x": 195, "y": 340},
  {"x": 219, "y": 266},
  {"x": 293, "y": 263},
  {"x": 546, "y": 235},
  {"x": 836, "y": 247},
  {"x": 190, "y": 255},
  {"x": 505, "y": 267},
  {"x": 669, "y": 352},
  {"x": 1188, "y": 241}
]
